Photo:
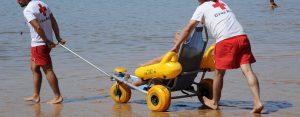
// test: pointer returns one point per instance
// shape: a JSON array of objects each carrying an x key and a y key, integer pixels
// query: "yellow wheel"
[
  {"x": 205, "y": 89},
  {"x": 120, "y": 93},
  {"x": 158, "y": 98}
]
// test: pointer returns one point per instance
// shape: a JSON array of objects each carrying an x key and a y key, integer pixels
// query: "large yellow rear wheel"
[
  {"x": 120, "y": 93},
  {"x": 158, "y": 98},
  {"x": 205, "y": 89}
]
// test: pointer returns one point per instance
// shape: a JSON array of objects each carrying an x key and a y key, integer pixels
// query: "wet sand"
[{"x": 279, "y": 91}]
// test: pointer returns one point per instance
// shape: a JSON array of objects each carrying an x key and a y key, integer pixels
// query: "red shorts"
[
  {"x": 231, "y": 53},
  {"x": 40, "y": 55}
]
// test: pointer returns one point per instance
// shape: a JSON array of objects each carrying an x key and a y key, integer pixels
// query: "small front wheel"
[
  {"x": 120, "y": 93},
  {"x": 158, "y": 98}
]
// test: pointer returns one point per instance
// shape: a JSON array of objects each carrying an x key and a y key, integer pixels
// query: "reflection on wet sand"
[
  {"x": 122, "y": 110},
  {"x": 57, "y": 108},
  {"x": 201, "y": 112},
  {"x": 210, "y": 113},
  {"x": 186, "y": 108},
  {"x": 257, "y": 115},
  {"x": 159, "y": 114},
  {"x": 37, "y": 109},
  {"x": 56, "y": 112},
  {"x": 126, "y": 110}
]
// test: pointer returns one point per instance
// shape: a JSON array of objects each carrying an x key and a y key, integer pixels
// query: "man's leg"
[
  {"x": 254, "y": 87},
  {"x": 53, "y": 82},
  {"x": 217, "y": 88},
  {"x": 37, "y": 82}
]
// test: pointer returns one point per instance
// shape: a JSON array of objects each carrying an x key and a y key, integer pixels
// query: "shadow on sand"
[
  {"x": 270, "y": 106},
  {"x": 70, "y": 100}
]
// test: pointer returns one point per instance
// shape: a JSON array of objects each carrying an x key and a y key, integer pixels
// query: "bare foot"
[
  {"x": 33, "y": 99},
  {"x": 56, "y": 100},
  {"x": 257, "y": 109},
  {"x": 210, "y": 103}
]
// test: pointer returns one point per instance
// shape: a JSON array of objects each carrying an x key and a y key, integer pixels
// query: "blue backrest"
[
  {"x": 191, "y": 52},
  {"x": 190, "y": 56}
]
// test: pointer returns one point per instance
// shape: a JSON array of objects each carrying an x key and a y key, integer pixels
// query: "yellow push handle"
[{"x": 170, "y": 56}]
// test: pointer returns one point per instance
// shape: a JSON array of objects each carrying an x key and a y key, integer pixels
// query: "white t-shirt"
[
  {"x": 40, "y": 11},
  {"x": 219, "y": 19}
]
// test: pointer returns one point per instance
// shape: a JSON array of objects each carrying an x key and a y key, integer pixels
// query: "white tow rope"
[
  {"x": 112, "y": 76},
  {"x": 84, "y": 59}
]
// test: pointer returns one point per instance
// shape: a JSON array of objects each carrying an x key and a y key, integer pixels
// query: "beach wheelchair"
[{"x": 176, "y": 73}]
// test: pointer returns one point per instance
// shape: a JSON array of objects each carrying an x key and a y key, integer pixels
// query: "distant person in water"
[
  {"x": 273, "y": 5},
  {"x": 42, "y": 23},
  {"x": 232, "y": 48}
]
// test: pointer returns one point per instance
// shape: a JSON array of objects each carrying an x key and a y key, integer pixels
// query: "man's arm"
[
  {"x": 187, "y": 30},
  {"x": 153, "y": 61},
  {"x": 38, "y": 28},
  {"x": 55, "y": 27},
  {"x": 56, "y": 30}
]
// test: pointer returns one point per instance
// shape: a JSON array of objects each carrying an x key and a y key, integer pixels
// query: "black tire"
[{"x": 205, "y": 89}]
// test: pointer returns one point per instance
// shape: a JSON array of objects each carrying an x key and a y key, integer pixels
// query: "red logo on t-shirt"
[
  {"x": 42, "y": 9},
  {"x": 218, "y": 4}
]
